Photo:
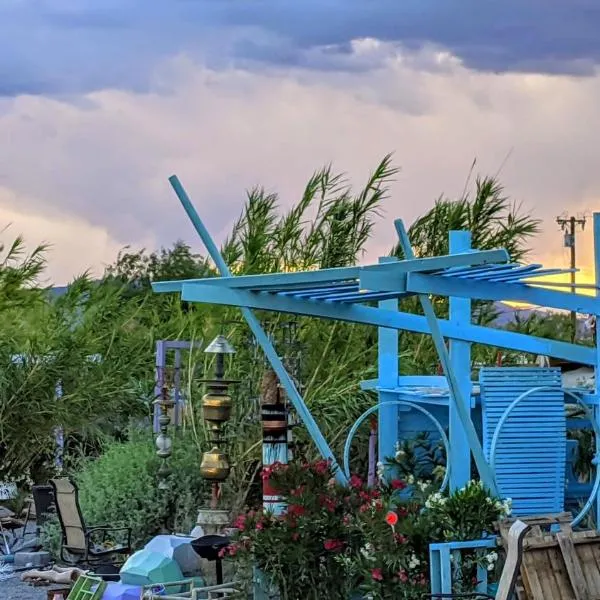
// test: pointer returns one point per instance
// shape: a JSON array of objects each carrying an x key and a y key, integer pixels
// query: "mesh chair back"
[{"x": 69, "y": 514}]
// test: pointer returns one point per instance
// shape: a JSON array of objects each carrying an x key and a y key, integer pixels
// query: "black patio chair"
[{"x": 93, "y": 546}]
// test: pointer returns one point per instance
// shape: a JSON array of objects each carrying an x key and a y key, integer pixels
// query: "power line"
[{"x": 569, "y": 225}]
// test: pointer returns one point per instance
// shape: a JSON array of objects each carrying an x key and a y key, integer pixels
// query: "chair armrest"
[{"x": 106, "y": 528}]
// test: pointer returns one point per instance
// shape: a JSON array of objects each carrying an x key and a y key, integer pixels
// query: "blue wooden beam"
[
  {"x": 303, "y": 279},
  {"x": 596, "y": 409},
  {"x": 460, "y": 360},
  {"x": 378, "y": 317},
  {"x": 485, "y": 471},
  {"x": 260, "y": 335},
  {"x": 487, "y": 290},
  {"x": 387, "y": 363},
  {"x": 389, "y": 277}
]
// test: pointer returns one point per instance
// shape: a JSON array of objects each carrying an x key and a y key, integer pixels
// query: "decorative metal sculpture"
[
  {"x": 216, "y": 408},
  {"x": 163, "y": 442}
]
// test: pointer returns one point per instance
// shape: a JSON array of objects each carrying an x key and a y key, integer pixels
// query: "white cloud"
[
  {"x": 103, "y": 159},
  {"x": 75, "y": 245}
]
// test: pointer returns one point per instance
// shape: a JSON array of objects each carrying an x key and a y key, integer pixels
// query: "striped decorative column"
[{"x": 274, "y": 417}]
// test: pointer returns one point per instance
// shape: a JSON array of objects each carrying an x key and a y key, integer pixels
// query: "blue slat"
[
  {"x": 531, "y": 450},
  {"x": 459, "y": 271},
  {"x": 508, "y": 276},
  {"x": 354, "y": 297},
  {"x": 309, "y": 291}
]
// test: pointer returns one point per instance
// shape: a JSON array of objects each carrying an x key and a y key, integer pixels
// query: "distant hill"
[{"x": 506, "y": 313}]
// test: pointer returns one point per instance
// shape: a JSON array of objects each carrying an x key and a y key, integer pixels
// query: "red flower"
[
  {"x": 403, "y": 576},
  {"x": 391, "y": 518},
  {"x": 356, "y": 482},
  {"x": 295, "y": 510},
  {"x": 397, "y": 484},
  {"x": 327, "y": 502},
  {"x": 295, "y": 536},
  {"x": 400, "y": 539},
  {"x": 298, "y": 491},
  {"x": 260, "y": 526},
  {"x": 333, "y": 545},
  {"x": 346, "y": 520},
  {"x": 321, "y": 467},
  {"x": 377, "y": 574}
]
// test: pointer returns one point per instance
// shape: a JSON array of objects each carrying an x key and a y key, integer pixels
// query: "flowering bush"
[{"x": 333, "y": 541}]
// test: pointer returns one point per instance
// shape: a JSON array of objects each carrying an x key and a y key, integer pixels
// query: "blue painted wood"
[
  {"x": 388, "y": 365},
  {"x": 440, "y": 565},
  {"x": 485, "y": 471},
  {"x": 460, "y": 360},
  {"x": 531, "y": 453},
  {"x": 260, "y": 335},
  {"x": 391, "y": 276},
  {"x": 198, "y": 292},
  {"x": 596, "y": 224},
  {"x": 486, "y": 290}
]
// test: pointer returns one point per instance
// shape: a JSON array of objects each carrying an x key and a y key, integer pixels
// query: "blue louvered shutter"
[{"x": 531, "y": 450}]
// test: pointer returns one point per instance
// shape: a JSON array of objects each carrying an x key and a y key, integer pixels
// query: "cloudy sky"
[{"x": 102, "y": 100}]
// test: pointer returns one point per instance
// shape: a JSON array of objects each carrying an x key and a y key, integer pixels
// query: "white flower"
[
  {"x": 368, "y": 551},
  {"x": 414, "y": 562},
  {"x": 491, "y": 559},
  {"x": 410, "y": 479},
  {"x": 400, "y": 454}
]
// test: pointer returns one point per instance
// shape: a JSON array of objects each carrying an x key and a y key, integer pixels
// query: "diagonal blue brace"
[
  {"x": 458, "y": 402},
  {"x": 260, "y": 334}
]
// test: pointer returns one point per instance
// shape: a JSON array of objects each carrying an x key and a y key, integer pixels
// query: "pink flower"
[
  {"x": 397, "y": 484},
  {"x": 295, "y": 536},
  {"x": 377, "y": 574},
  {"x": 260, "y": 526},
  {"x": 356, "y": 482},
  {"x": 403, "y": 576},
  {"x": 333, "y": 545},
  {"x": 240, "y": 522}
]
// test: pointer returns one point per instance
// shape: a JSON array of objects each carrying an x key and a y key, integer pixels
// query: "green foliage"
[
  {"x": 51, "y": 537},
  {"x": 120, "y": 488}
]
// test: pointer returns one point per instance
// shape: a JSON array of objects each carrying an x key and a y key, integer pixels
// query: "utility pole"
[{"x": 569, "y": 226}]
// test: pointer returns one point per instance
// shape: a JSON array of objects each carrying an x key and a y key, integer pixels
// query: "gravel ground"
[{"x": 15, "y": 589}]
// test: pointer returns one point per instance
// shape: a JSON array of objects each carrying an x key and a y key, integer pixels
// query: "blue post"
[
  {"x": 260, "y": 335},
  {"x": 388, "y": 378},
  {"x": 597, "y": 367},
  {"x": 460, "y": 359},
  {"x": 488, "y": 477}
]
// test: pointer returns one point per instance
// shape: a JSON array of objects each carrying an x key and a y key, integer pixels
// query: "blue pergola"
[{"x": 369, "y": 295}]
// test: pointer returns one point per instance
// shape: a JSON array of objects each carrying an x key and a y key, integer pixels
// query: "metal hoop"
[
  {"x": 375, "y": 408},
  {"x": 590, "y": 502}
]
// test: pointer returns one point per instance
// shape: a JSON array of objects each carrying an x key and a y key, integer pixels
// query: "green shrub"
[
  {"x": 120, "y": 488},
  {"x": 51, "y": 537}
]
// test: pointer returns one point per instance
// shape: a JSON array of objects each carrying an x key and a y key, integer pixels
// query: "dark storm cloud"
[{"x": 60, "y": 46}]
